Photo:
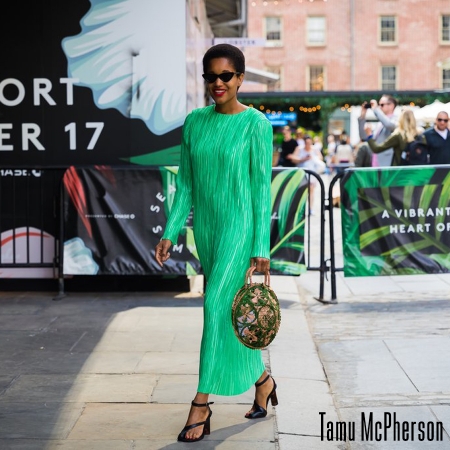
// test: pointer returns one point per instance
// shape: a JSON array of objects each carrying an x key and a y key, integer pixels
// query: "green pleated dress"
[{"x": 225, "y": 174}]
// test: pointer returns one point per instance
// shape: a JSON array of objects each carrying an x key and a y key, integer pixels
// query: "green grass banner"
[{"x": 396, "y": 221}]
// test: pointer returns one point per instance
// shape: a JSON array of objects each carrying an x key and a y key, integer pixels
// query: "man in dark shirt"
[
  {"x": 438, "y": 140},
  {"x": 288, "y": 146}
]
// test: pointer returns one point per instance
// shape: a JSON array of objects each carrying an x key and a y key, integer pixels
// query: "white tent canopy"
[{"x": 429, "y": 112}]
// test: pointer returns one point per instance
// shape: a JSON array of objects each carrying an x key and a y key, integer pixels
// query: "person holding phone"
[{"x": 384, "y": 112}]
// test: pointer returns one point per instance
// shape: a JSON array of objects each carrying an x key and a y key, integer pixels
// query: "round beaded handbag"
[{"x": 255, "y": 313}]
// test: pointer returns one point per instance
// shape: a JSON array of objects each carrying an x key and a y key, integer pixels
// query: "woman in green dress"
[{"x": 225, "y": 174}]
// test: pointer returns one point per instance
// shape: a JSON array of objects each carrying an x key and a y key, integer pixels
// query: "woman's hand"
[
  {"x": 162, "y": 251},
  {"x": 261, "y": 264}
]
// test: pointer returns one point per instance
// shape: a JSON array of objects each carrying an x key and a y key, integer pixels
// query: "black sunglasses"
[
  {"x": 225, "y": 77},
  {"x": 442, "y": 120}
]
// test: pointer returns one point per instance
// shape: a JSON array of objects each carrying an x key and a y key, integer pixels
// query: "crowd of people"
[{"x": 395, "y": 141}]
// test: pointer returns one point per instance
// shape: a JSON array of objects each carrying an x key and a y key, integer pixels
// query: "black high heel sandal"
[
  {"x": 258, "y": 411},
  {"x": 206, "y": 425}
]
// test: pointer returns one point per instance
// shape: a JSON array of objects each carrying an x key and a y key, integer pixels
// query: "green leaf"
[
  {"x": 287, "y": 267},
  {"x": 190, "y": 243},
  {"x": 165, "y": 157},
  {"x": 190, "y": 271}
]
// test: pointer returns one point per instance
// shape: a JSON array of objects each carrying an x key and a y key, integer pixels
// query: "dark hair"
[
  {"x": 232, "y": 53},
  {"x": 390, "y": 99}
]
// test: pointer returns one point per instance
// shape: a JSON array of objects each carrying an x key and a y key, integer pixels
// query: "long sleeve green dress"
[{"x": 225, "y": 174}]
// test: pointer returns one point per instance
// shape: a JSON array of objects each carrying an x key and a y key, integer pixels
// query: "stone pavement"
[{"x": 116, "y": 371}]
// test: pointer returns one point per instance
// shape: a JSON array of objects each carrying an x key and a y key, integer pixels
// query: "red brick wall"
[{"x": 416, "y": 54}]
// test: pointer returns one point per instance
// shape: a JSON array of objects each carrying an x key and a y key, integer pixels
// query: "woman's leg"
[
  {"x": 196, "y": 415},
  {"x": 263, "y": 391}
]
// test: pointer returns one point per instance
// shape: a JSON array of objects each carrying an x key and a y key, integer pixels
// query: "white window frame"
[
  {"x": 311, "y": 30},
  {"x": 388, "y": 88},
  {"x": 443, "y": 41},
  {"x": 308, "y": 77},
  {"x": 443, "y": 71},
  {"x": 380, "y": 30},
  {"x": 273, "y": 42}
]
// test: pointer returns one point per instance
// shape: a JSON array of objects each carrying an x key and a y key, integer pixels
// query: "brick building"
[{"x": 351, "y": 45}]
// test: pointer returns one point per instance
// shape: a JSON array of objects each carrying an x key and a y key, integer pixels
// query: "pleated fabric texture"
[{"x": 225, "y": 174}]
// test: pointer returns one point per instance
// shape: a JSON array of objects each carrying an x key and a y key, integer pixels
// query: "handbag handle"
[{"x": 248, "y": 276}]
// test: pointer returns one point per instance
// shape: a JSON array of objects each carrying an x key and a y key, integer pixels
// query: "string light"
[{"x": 304, "y": 109}]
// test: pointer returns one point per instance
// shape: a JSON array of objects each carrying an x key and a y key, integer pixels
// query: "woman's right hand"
[{"x": 162, "y": 251}]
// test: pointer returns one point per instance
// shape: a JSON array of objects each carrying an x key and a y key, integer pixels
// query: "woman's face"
[{"x": 223, "y": 92}]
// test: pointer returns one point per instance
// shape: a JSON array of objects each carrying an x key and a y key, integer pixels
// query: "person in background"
[
  {"x": 308, "y": 159},
  {"x": 288, "y": 146},
  {"x": 331, "y": 147},
  {"x": 405, "y": 132},
  {"x": 363, "y": 153},
  {"x": 438, "y": 140},
  {"x": 384, "y": 112},
  {"x": 343, "y": 155},
  {"x": 317, "y": 144},
  {"x": 363, "y": 156},
  {"x": 299, "y": 135}
]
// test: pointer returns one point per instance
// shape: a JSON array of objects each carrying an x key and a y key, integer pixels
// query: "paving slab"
[
  {"x": 364, "y": 371},
  {"x": 169, "y": 363},
  {"x": 181, "y": 388},
  {"x": 38, "y": 420},
  {"x": 110, "y": 388},
  {"x": 304, "y": 362},
  {"x": 121, "y": 341},
  {"x": 442, "y": 413},
  {"x": 40, "y": 361},
  {"x": 208, "y": 443},
  {"x": 406, "y": 414},
  {"x": 425, "y": 360},
  {"x": 38, "y": 444},
  {"x": 300, "y": 402},
  {"x": 164, "y": 422},
  {"x": 54, "y": 340},
  {"x": 5, "y": 381},
  {"x": 295, "y": 442}
]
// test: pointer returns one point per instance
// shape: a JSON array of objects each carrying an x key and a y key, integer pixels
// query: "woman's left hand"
[{"x": 261, "y": 264}]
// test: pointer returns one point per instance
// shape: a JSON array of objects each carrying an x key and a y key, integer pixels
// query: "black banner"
[{"x": 114, "y": 217}]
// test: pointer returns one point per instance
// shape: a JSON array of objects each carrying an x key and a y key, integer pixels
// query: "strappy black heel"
[
  {"x": 206, "y": 425},
  {"x": 258, "y": 411}
]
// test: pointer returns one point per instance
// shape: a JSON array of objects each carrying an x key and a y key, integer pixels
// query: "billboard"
[{"x": 88, "y": 82}]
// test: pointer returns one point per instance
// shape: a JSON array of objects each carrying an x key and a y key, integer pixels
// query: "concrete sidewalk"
[{"x": 118, "y": 371}]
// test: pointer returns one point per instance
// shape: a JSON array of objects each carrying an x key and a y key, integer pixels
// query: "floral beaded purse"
[{"x": 255, "y": 313}]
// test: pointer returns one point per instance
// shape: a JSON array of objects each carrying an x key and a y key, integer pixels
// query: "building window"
[
  {"x": 274, "y": 36},
  {"x": 316, "y": 31},
  {"x": 445, "y": 29},
  {"x": 445, "y": 78},
  {"x": 388, "y": 78},
  {"x": 388, "y": 30},
  {"x": 316, "y": 78},
  {"x": 276, "y": 85}
]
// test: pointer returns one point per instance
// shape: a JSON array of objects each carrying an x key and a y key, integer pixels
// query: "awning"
[{"x": 260, "y": 76}]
